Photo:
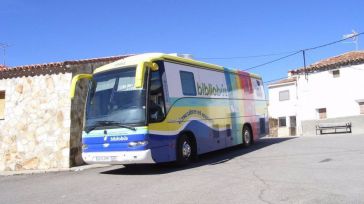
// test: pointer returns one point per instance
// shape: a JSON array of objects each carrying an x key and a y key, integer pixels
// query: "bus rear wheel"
[
  {"x": 185, "y": 150},
  {"x": 247, "y": 136}
]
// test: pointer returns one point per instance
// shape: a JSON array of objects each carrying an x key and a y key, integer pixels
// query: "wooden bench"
[{"x": 345, "y": 127}]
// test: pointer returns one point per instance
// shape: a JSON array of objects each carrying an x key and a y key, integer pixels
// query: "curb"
[
  {"x": 77, "y": 168},
  {"x": 89, "y": 166}
]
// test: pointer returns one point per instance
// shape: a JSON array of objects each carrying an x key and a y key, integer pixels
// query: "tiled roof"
[
  {"x": 2, "y": 67},
  {"x": 349, "y": 58},
  {"x": 283, "y": 81},
  {"x": 50, "y": 68}
]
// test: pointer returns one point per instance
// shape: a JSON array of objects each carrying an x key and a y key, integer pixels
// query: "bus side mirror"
[
  {"x": 154, "y": 66},
  {"x": 75, "y": 80}
]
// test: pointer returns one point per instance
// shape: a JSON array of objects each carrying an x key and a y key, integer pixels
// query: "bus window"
[
  {"x": 156, "y": 101},
  {"x": 258, "y": 89},
  {"x": 188, "y": 83},
  {"x": 247, "y": 86}
]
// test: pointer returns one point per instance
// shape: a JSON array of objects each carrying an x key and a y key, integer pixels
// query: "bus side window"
[
  {"x": 247, "y": 86},
  {"x": 156, "y": 101},
  {"x": 187, "y": 83},
  {"x": 258, "y": 88}
]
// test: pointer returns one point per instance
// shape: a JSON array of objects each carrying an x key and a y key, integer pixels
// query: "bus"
[{"x": 154, "y": 108}]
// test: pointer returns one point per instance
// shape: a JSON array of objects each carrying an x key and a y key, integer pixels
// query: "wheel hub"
[
  {"x": 247, "y": 137},
  {"x": 186, "y": 150}
]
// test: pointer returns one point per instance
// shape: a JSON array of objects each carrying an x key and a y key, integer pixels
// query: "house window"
[
  {"x": 361, "y": 105},
  {"x": 336, "y": 73},
  {"x": 188, "y": 83},
  {"x": 322, "y": 113},
  {"x": 282, "y": 122},
  {"x": 2, "y": 104},
  {"x": 284, "y": 95}
]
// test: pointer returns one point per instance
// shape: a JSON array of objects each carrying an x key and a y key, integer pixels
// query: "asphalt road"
[{"x": 316, "y": 169}]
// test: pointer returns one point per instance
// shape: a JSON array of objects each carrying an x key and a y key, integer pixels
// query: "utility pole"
[
  {"x": 3, "y": 46},
  {"x": 304, "y": 63}
]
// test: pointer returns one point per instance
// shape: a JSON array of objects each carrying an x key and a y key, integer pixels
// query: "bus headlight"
[{"x": 137, "y": 143}]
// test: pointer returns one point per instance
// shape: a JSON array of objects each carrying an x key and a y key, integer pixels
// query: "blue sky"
[{"x": 48, "y": 31}]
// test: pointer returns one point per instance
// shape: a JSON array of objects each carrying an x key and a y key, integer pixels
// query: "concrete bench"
[{"x": 345, "y": 127}]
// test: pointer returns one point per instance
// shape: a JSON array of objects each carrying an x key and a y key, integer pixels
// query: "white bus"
[{"x": 153, "y": 108}]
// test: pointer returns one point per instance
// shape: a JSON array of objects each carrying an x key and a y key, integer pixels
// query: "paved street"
[{"x": 313, "y": 169}]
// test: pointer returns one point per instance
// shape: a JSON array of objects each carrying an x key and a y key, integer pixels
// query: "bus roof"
[{"x": 135, "y": 59}]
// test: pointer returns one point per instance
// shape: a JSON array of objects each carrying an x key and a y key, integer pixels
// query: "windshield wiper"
[{"x": 108, "y": 123}]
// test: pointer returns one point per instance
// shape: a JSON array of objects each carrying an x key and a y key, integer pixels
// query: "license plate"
[{"x": 103, "y": 158}]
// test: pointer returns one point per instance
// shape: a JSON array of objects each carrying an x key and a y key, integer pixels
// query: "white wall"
[
  {"x": 337, "y": 95},
  {"x": 282, "y": 108},
  {"x": 285, "y": 108},
  {"x": 320, "y": 90}
]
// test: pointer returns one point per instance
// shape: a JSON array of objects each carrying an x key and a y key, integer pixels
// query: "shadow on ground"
[{"x": 212, "y": 158}]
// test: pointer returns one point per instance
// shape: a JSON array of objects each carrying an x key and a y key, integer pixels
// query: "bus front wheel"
[
  {"x": 247, "y": 136},
  {"x": 185, "y": 150}
]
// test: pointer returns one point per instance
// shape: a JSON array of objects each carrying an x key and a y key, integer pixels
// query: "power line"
[
  {"x": 331, "y": 43},
  {"x": 246, "y": 57},
  {"x": 269, "y": 62},
  {"x": 266, "y": 82},
  {"x": 281, "y": 53},
  {"x": 304, "y": 50},
  {"x": 303, "y": 54}
]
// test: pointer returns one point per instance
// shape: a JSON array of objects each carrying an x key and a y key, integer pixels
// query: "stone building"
[{"x": 40, "y": 127}]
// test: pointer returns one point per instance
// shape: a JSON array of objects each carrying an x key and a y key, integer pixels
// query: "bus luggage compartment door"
[{"x": 218, "y": 139}]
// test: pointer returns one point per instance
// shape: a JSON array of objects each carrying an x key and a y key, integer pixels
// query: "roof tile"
[
  {"x": 52, "y": 67},
  {"x": 283, "y": 81},
  {"x": 349, "y": 58}
]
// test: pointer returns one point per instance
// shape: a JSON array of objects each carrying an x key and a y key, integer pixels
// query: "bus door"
[{"x": 156, "y": 104}]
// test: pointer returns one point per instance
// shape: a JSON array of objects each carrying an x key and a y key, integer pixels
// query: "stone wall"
[
  {"x": 42, "y": 127},
  {"x": 35, "y": 131}
]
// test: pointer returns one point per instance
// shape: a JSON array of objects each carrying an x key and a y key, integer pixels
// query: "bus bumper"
[{"x": 119, "y": 157}]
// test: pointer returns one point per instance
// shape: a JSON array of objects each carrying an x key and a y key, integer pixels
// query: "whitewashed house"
[
  {"x": 331, "y": 90},
  {"x": 283, "y": 106}
]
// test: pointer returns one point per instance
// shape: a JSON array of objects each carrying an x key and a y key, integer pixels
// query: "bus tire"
[
  {"x": 247, "y": 136},
  {"x": 185, "y": 150}
]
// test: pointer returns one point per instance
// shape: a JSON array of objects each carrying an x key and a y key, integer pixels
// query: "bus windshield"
[{"x": 114, "y": 101}]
